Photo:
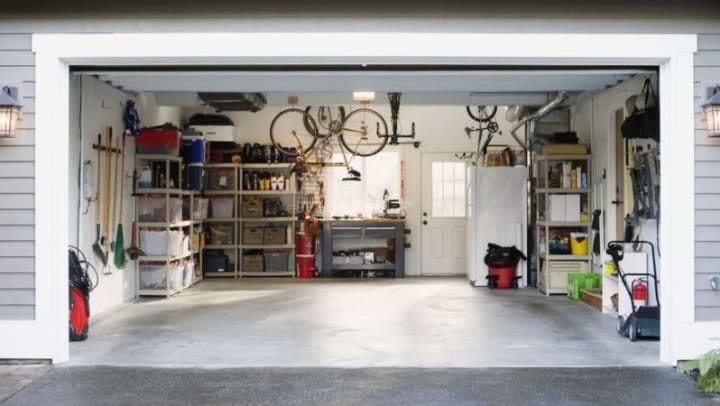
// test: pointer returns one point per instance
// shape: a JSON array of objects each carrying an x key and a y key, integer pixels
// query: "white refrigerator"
[{"x": 497, "y": 213}]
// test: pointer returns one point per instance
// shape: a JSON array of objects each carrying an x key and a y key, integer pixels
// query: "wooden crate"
[{"x": 593, "y": 297}]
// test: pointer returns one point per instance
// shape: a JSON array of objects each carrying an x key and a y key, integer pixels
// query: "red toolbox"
[{"x": 158, "y": 140}]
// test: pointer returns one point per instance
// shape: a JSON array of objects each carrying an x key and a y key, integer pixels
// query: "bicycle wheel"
[
  {"x": 360, "y": 132},
  {"x": 293, "y": 131},
  {"x": 484, "y": 113}
]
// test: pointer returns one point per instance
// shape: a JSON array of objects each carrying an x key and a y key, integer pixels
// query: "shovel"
[
  {"x": 98, "y": 247},
  {"x": 114, "y": 192},
  {"x": 120, "y": 259},
  {"x": 106, "y": 198},
  {"x": 134, "y": 251}
]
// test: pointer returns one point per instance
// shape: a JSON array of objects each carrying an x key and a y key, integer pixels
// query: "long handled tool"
[
  {"x": 120, "y": 259},
  {"x": 106, "y": 199},
  {"x": 114, "y": 187},
  {"x": 134, "y": 251},
  {"x": 98, "y": 247}
]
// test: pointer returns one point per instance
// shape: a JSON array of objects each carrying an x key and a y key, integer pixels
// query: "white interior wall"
[
  {"x": 101, "y": 105},
  {"x": 594, "y": 116},
  {"x": 439, "y": 128}
]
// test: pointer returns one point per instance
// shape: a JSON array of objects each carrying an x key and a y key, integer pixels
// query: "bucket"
[
  {"x": 305, "y": 244},
  {"x": 195, "y": 177},
  {"x": 505, "y": 275},
  {"x": 305, "y": 265},
  {"x": 578, "y": 244}
]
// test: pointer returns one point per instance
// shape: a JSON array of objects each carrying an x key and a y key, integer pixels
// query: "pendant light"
[
  {"x": 711, "y": 108},
  {"x": 9, "y": 111}
]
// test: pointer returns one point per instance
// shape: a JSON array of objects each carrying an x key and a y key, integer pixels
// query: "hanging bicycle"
[
  {"x": 485, "y": 117},
  {"x": 295, "y": 132}
]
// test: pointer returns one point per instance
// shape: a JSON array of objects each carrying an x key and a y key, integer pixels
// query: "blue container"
[
  {"x": 198, "y": 151},
  {"x": 195, "y": 177}
]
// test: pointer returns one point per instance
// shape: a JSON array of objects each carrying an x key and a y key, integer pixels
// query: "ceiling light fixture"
[
  {"x": 9, "y": 111},
  {"x": 363, "y": 96}
]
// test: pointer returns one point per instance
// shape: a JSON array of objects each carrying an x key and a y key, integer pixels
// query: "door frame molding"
[{"x": 55, "y": 53}]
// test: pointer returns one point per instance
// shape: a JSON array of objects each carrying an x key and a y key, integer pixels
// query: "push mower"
[{"x": 643, "y": 320}]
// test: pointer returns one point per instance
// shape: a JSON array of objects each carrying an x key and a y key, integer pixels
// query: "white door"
[{"x": 443, "y": 214}]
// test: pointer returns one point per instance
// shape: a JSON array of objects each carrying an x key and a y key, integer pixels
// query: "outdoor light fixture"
[
  {"x": 711, "y": 108},
  {"x": 9, "y": 111},
  {"x": 364, "y": 96}
]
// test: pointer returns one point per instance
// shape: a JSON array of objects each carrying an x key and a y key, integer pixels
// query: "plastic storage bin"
[
  {"x": 155, "y": 209},
  {"x": 220, "y": 178},
  {"x": 580, "y": 280},
  {"x": 252, "y": 207},
  {"x": 276, "y": 261},
  {"x": 221, "y": 207},
  {"x": 161, "y": 140},
  {"x": 160, "y": 243},
  {"x": 159, "y": 276},
  {"x": 216, "y": 262},
  {"x": 252, "y": 263},
  {"x": 252, "y": 236},
  {"x": 275, "y": 236}
]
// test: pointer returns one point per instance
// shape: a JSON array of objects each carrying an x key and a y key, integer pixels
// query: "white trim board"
[{"x": 56, "y": 52}]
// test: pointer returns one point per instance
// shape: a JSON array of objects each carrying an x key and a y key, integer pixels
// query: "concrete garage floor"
[{"x": 411, "y": 322}]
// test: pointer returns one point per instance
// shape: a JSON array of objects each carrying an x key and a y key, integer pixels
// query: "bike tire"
[
  {"x": 286, "y": 143},
  {"x": 482, "y": 118},
  {"x": 375, "y": 144}
]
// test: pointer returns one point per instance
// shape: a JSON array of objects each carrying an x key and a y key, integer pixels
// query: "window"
[
  {"x": 353, "y": 198},
  {"x": 448, "y": 189}
]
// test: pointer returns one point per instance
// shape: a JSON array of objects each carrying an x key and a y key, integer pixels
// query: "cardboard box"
[
  {"x": 252, "y": 263},
  {"x": 253, "y": 236},
  {"x": 275, "y": 236},
  {"x": 252, "y": 207},
  {"x": 565, "y": 149}
]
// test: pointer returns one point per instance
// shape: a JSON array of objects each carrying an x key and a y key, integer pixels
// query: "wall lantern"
[
  {"x": 711, "y": 108},
  {"x": 9, "y": 111}
]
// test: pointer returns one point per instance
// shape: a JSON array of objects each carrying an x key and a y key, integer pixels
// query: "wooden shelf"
[{"x": 572, "y": 157}]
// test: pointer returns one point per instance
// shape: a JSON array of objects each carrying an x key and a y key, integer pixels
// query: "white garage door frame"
[{"x": 46, "y": 336}]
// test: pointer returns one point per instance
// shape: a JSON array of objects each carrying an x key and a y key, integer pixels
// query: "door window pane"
[{"x": 448, "y": 189}]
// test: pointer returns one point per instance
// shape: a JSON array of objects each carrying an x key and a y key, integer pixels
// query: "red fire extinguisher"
[{"x": 639, "y": 292}]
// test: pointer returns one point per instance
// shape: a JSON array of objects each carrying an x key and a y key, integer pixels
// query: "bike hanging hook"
[{"x": 394, "y": 99}]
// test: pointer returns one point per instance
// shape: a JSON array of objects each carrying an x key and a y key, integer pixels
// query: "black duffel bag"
[{"x": 644, "y": 123}]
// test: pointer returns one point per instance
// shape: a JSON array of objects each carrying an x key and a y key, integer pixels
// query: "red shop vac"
[{"x": 502, "y": 266}]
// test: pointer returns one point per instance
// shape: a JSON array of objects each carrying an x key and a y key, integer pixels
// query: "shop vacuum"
[
  {"x": 80, "y": 287},
  {"x": 502, "y": 266}
]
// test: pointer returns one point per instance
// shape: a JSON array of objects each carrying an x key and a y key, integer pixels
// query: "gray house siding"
[
  {"x": 707, "y": 185},
  {"x": 17, "y": 197}
]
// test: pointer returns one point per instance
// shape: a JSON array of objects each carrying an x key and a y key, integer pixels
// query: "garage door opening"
[{"x": 401, "y": 286}]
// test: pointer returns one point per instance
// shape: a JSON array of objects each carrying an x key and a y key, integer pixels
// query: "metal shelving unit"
[
  {"x": 173, "y": 281},
  {"x": 553, "y": 268},
  {"x": 289, "y": 197},
  {"x": 230, "y": 189}
]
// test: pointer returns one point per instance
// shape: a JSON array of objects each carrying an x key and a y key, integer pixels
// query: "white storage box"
[
  {"x": 160, "y": 243},
  {"x": 349, "y": 260},
  {"x": 187, "y": 273},
  {"x": 222, "y": 207},
  {"x": 200, "y": 209},
  {"x": 572, "y": 207},
  {"x": 216, "y": 132},
  {"x": 557, "y": 208}
]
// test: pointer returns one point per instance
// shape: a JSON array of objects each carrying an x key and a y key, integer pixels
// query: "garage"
[
  {"x": 368, "y": 248},
  {"x": 395, "y": 285}
]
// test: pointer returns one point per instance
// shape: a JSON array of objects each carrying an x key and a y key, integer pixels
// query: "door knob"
[
  {"x": 616, "y": 202},
  {"x": 424, "y": 222},
  {"x": 424, "y": 214}
]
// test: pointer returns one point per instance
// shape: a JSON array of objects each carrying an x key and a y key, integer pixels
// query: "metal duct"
[{"x": 538, "y": 114}]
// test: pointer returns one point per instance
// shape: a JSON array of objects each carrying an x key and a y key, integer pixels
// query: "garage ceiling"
[{"x": 511, "y": 86}]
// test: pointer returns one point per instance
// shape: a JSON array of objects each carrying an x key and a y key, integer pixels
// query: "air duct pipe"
[{"x": 540, "y": 113}]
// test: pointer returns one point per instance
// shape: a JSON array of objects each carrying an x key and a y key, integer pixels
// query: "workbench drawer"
[
  {"x": 379, "y": 232},
  {"x": 347, "y": 232}
]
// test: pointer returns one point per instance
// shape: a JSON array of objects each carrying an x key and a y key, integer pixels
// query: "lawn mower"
[{"x": 644, "y": 319}]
